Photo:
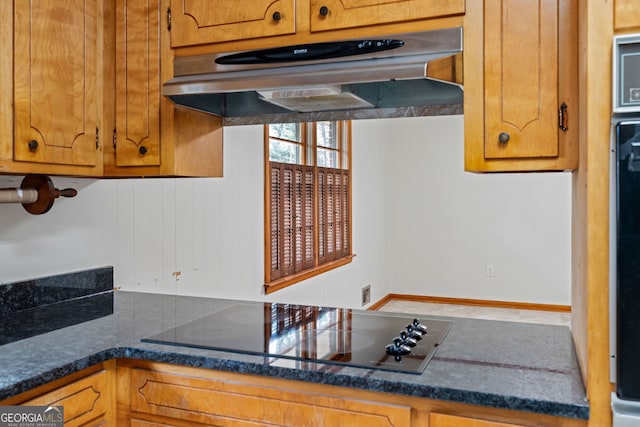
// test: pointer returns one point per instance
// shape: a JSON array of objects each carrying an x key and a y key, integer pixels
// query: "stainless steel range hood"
[{"x": 349, "y": 79}]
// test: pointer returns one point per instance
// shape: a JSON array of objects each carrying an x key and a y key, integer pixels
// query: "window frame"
[{"x": 310, "y": 147}]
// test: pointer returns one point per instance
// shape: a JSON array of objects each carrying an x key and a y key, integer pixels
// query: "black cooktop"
[{"x": 315, "y": 334}]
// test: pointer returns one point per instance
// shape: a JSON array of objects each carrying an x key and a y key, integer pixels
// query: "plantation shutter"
[
  {"x": 343, "y": 238},
  {"x": 275, "y": 238},
  {"x": 333, "y": 214},
  {"x": 292, "y": 222}
]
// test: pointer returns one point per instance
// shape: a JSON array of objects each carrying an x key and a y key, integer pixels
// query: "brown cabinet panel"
[
  {"x": 626, "y": 14},
  {"x": 98, "y": 422},
  {"x": 152, "y": 136},
  {"x": 521, "y": 78},
  {"x": 441, "y": 420},
  {"x": 144, "y": 423},
  {"x": 520, "y": 72},
  {"x": 80, "y": 93},
  {"x": 55, "y": 82},
  {"x": 85, "y": 401},
  {"x": 213, "y": 21},
  {"x": 225, "y": 403},
  {"x": 137, "y": 83},
  {"x": 336, "y": 14}
]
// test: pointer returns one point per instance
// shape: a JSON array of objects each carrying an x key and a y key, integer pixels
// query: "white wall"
[
  {"x": 211, "y": 231},
  {"x": 461, "y": 222},
  {"x": 75, "y": 234}
]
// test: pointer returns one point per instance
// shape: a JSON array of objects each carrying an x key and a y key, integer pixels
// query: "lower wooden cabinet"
[
  {"x": 144, "y": 423},
  {"x": 133, "y": 393},
  {"x": 442, "y": 420},
  {"x": 224, "y": 403},
  {"x": 154, "y": 394},
  {"x": 88, "y": 398}
]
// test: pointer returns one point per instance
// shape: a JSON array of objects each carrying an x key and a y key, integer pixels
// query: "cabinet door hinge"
[
  {"x": 97, "y": 138},
  {"x": 169, "y": 18},
  {"x": 114, "y": 138},
  {"x": 563, "y": 118}
]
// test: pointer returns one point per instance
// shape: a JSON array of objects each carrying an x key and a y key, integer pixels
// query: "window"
[{"x": 307, "y": 200}]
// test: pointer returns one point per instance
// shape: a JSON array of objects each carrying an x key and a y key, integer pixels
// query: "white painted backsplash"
[{"x": 429, "y": 228}]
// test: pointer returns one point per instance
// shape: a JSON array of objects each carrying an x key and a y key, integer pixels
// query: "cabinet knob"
[
  {"x": 142, "y": 150},
  {"x": 277, "y": 16},
  {"x": 324, "y": 11},
  {"x": 33, "y": 145},
  {"x": 504, "y": 137}
]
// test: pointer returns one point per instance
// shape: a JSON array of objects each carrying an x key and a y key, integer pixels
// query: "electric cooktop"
[{"x": 334, "y": 336}]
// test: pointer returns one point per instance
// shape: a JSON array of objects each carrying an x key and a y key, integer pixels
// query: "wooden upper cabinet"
[
  {"x": 520, "y": 77},
  {"x": 56, "y": 104},
  {"x": 336, "y": 14},
  {"x": 626, "y": 15},
  {"x": 211, "y": 21},
  {"x": 152, "y": 136},
  {"x": 137, "y": 138}
]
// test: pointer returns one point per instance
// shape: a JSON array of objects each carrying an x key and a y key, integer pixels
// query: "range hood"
[{"x": 360, "y": 78}]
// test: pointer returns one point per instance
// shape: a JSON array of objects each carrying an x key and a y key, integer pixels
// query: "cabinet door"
[
  {"x": 85, "y": 401},
  {"x": 520, "y": 67},
  {"x": 521, "y": 78},
  {"x": 334, "y": 14},
  {"x": 441, "y": 420},
  {"x": 212, "y": 21},
  {"x": 55, "y": 81},
  {"x": 207, "y": 401},
  {"x": 137, "y": 139}
]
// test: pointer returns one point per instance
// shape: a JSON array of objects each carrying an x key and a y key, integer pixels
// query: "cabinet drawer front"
[
  {"x": 441, "y": 420},
  {"x": 336, "y": 14},
  {"x": 225, "y": 403},
  {"x": 83, "y": 400},
  {"x": 213, "y": 21}
]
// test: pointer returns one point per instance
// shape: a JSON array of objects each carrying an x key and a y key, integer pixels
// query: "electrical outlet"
[
  {"x": 366, "y": 295},
  {"x": 489, "y": 271}
]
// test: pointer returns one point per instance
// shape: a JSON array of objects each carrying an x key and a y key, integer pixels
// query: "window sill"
[{"x": 292, "y": 279}]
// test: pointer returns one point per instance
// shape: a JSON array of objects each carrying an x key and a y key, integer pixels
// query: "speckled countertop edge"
[
  {"x": 365, "y": 383},
  {"x": 244, "y": 367},
  {"x": 115, "y": 347}
]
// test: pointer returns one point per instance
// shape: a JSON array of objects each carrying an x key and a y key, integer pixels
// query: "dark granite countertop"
[{"x": 520, "y": 366}]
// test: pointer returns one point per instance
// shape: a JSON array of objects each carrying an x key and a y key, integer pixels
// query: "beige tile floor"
[{"x": 490, "y": 313}]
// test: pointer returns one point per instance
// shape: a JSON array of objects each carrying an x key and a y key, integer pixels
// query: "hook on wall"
[{"x": 36, "y": 193}]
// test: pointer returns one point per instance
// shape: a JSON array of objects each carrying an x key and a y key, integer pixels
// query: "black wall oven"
[
  {"x": 625, "y": 232},
  {"x": 627, "y": 259}
]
